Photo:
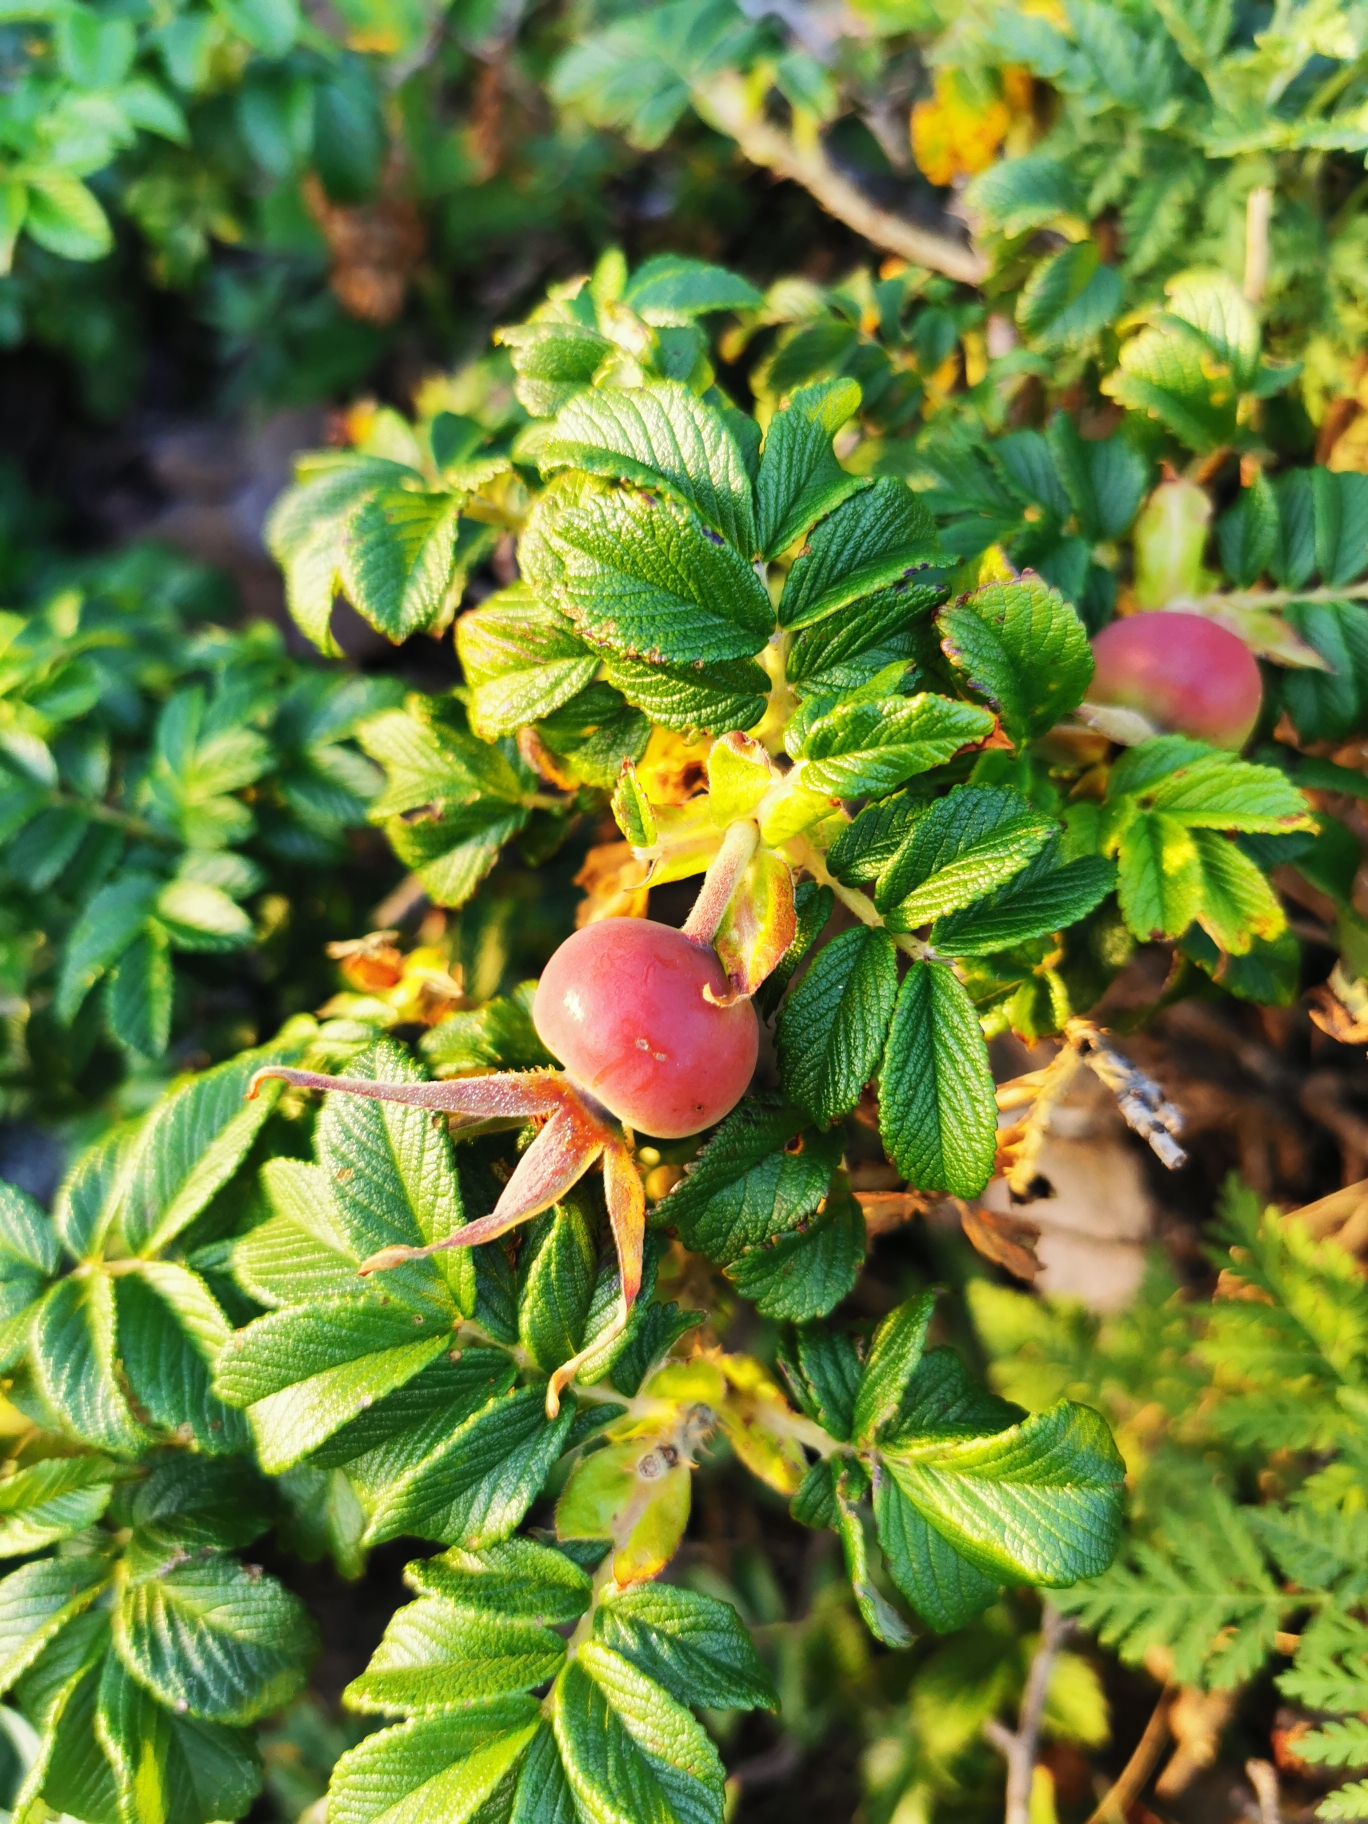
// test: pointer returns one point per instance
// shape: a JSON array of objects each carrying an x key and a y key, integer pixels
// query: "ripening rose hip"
[
  {"x": 621, "y": 1006},
  {"x": 1185, "y": 674}
]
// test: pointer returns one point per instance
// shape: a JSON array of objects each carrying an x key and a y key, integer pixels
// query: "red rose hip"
[
  {"x": 1182, "y": 672},
  {"x": 621, "y": 1005}
]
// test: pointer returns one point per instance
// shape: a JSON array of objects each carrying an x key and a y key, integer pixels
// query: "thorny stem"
[
  {"x": 1135, "y": 1774},
  {"x": 721, "y": 881},
  {"x": 1018, "y": 1748},
  {"x": 725, "y": 104}
]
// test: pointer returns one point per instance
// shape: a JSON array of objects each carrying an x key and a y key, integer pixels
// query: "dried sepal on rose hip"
[{"x": 652, "y": 1036}]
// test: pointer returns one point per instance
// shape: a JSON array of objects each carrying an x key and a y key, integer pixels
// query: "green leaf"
[
  {"x": 799, "y": 479},
  {"x": 642, "y": 574},
  {"x": 1160, "y": 879},
  {"x": 451, "y": 854},
  {"x": 630, "y": 1751},
  {"x": 712, "y": 697},
  {"x": 397, "y": 562},
  {"x": 943, "y": 1586},
  {"x": 847, "y": 651},
  {"x": 759, "y": 1176},
  {"x": 1238, "y": 903},
  {"x": 959, "y": 849},
  {"x": 822, "y": 1367},
  {"x": 170, "y": 1332},
  {"x": 1168, "y": 375},
  {"x": 191, "y": 1144},
  {"x": 594, "y": 733},
  {"x": 1068, "y": 299},
  {"x": 269, "y": 26},
  {"x": 434, "y": 1656},
  {"x": 388, "y": 1438},
  {"x": 200, "y": 917},
  {"x": 557, "y": 1268},
  {"x": 306, "y": 527},
  {"x": 1105, "y": 479},
  {"x": 694, "y": 1646},
  {"x": 877, "y": 1613},
  {"x": 73, "y": 1356},
  {"x": 1044, "y": 897},
  {"x": 831, "y": 1030},
  {"x": 394, "y": 1181},
  {"x": 669, "y": 286},
  {"x": 1341, "y": 519},
  {"x": 937, "y": 1104},
  {"x": 302, "y": 1373},
  {"x": 654, "y": 435},
  {"x": 167, "y": 1766},
  {"x": 1039, "y": 1503},
  {"x": 476, "y": 1485},
  {"x": 1212, "y": 791},
  {"x": 869, "y": 749},
  {"x": 1327, "y": 705},
  {"x": 1248, "y": 532},
  {"x": 894, "y": 1353},
  {"x": 1022, "y": 647},
  {"x": 881, "y": 535},
  {"x": 941, "y": 1401},
  {"x": 141, "y": 986},
  {"x": 451, "y": 1769},
  {"x": 86, "y": 1203},
  {"x": 517, "y": 1578},
  {"x": 38, "y": 1600},
  {"x": 212, "y": 1637},
  {"x": 51, "y": 1499},
  {"x": 552, "y": 361},
  {"x": 522, "y": 660},
  {"x": 184, "y": 1500},
  {"x": 109, "y": 924},
  {"x": 64, "y": 216},
  {"x": 806, "y": 1272},
  {"x": 1018, "y": 194}
]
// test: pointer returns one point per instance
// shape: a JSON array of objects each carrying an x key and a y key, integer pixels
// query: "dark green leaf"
[
  {"x": 695, "y": 1646},
  {"x": 832, "y": 1028},
  {"x": 937, "y": 1105},
  {"x": 799, "y": 479},
  {"x": 879, "y": 536},
  {"x": 1022, "y": 647}
]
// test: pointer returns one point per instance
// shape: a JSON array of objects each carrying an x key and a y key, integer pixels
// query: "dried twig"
[
  {"x": 1263, "y": 1777},
  {"x": 1142, "y": 1102},
  {"x": 725, "y": 104},
  {"x": 1018, "y": 1747},
  {"x": 1137, "y": 1770},
  {"x": 1258, "y": 213}
]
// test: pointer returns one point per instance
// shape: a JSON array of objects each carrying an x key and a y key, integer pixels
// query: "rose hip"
[
  {"x": 1182, "y": 672},
  {"x": 621, "y": 1005}
]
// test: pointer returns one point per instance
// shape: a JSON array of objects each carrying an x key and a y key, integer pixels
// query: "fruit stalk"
[{"x": 721, "y": 881}]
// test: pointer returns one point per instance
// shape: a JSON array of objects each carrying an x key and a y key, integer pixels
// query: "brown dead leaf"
[
  {"x": 614, "y": 883},
  {"x": 1008, "y": 1241},
  {"x": 1329, "y": 1012},
  {"x": 374, "y": 247},
  {"x": 1198, "y": 1720},
  {"x": 885, "y": 1210}
]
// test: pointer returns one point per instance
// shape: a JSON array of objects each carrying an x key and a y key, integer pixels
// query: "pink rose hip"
[
  {"x": 621, "y": 1005},
  {"x": 1182, "y": 672}
]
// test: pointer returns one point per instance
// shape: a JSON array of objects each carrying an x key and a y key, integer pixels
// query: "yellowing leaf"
[
  {"x": 954, "y": 134},
  {"x": 759, "y": 923}
]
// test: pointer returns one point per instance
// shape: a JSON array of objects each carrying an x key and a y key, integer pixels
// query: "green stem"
[
  {"x": 860, "y": 904},
  {"x": 106, "y": 813}
]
